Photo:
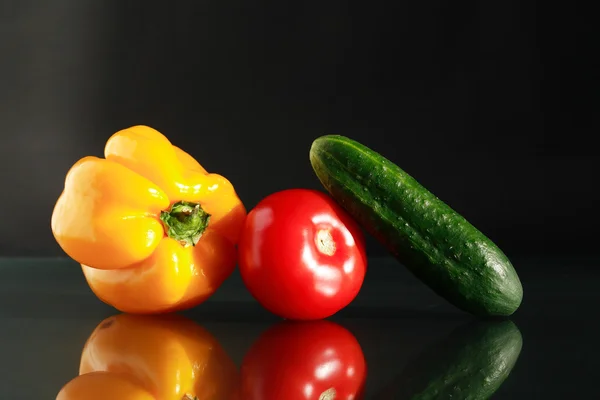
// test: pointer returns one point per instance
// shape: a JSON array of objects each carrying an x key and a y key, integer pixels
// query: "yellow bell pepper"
[
  {"x": 165, "y": 357},
  {"x": 103, "y": 385},
  {"x": 152, "y": 229}
]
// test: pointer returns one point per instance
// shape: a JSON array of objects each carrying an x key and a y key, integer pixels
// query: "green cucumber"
[
  {"x": 433, "y": 241},
  {"x": 470, "y": 364}
]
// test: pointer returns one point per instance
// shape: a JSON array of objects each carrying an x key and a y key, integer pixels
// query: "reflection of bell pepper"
[
  {"x": 153, "y": 230},
  {"x": 160, "y": 358}
]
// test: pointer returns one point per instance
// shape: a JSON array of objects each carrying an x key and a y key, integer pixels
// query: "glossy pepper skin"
[
  {"x": 141, "y": 357},
  {"x": 153, "y": 230},
  {"x": 95, "y": 385}
]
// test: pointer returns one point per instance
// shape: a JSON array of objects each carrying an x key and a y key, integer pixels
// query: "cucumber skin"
[
  {"x": 439, "y": 246},
  {"x": 470, "y": 364}
]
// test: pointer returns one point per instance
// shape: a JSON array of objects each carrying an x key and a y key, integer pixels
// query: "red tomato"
[
  {"x": 307, "y": 360},
  {"x": 301, "y": 255}
]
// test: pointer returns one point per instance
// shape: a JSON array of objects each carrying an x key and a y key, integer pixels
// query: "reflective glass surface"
[{"x": 397, "y": 340}]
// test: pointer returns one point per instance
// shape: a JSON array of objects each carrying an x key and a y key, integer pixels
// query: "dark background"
[{"x": 488, "y": 104}]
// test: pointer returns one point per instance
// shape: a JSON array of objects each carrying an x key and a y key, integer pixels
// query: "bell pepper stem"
[{"x": 185, "y": 222}]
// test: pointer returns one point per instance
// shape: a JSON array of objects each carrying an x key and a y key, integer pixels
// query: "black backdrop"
[{"x": 487, "y": 104}]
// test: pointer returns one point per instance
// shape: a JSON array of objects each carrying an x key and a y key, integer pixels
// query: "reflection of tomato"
[
  {"x": 301, "y": 255},
  {"x": 317, "y": 360},
  {"x": 160, "y": 357}
]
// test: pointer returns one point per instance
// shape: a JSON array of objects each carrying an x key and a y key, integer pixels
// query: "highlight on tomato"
[
  {"x": 304, "y": 360},
  {"x": 301, "y": 256},
  {"x": 169, "y": 357}
]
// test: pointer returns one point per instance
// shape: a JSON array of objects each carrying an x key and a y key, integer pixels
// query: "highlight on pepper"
[
  {"x": 142, "y": 357},
  {"x": 154, "y": 232}
]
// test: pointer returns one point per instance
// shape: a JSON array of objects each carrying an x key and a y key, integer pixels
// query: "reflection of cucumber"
[
  {"x": 470, "y": 364},
  {"x": 437, "y": 244}
]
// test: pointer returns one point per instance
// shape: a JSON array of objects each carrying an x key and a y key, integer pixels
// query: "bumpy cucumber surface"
[{"x": 433, "y": 241}]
